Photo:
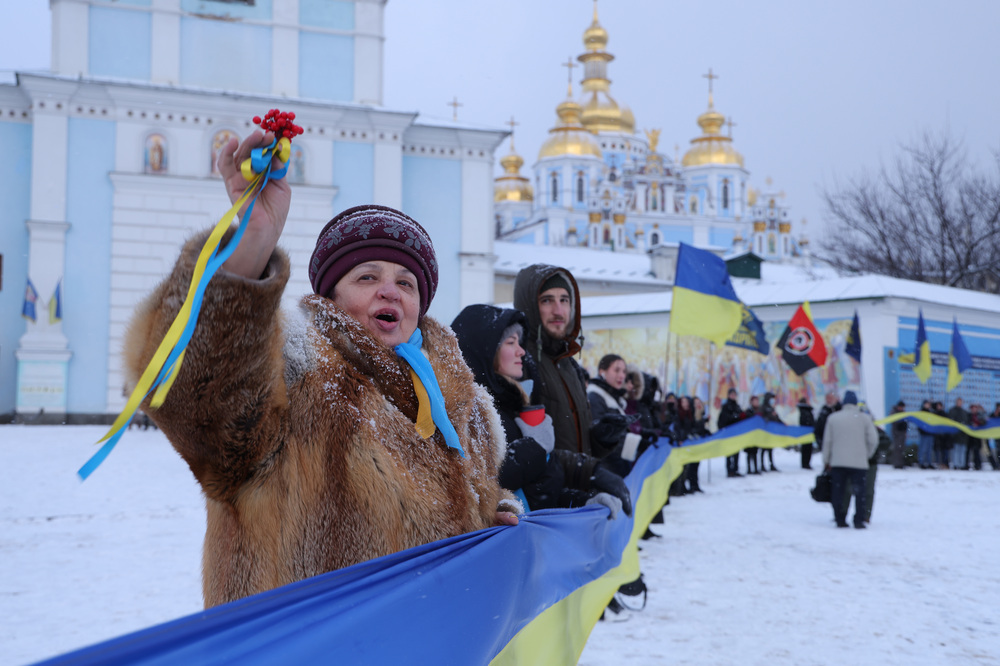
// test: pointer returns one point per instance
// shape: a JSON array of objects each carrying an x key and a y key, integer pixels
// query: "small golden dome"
[
  {"x": 595, "y": 38},
  {"x": 711, "y": 147},
  {"x": 738, "y": 238},
  {"x": 569, "y": 137},
  {"x": 512, "y": 186}
]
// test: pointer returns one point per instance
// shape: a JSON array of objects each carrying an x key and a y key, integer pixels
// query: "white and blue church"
[
  {"x": 598, "y": 186},
  {"x": 110, "y": 160}
]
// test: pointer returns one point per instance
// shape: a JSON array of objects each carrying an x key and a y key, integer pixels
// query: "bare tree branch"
[{"x": 929, "y": 218}]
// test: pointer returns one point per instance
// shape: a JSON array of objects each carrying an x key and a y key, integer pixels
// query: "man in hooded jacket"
[{"x": 550, "y": 300}]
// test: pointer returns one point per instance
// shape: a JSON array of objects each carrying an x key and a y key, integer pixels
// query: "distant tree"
[{"x": 932, "y": 218}]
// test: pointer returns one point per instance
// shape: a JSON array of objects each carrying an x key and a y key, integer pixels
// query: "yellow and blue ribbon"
[
  {"x": 163, "y": 368},
  {"x": 429, "y": 394}
]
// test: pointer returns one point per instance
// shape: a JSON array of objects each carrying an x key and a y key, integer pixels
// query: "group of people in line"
[
  {"x": 956, "y": 450},
  {"x": 355, "y": 425}
]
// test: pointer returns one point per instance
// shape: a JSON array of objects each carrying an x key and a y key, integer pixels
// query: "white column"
[
  {"x": 285, "y": 48},
  {"x": 369, "y": 38},
  {"x": 165, "y": 57},
  {"x": 70, "y": 45},
  {"x": 476, "y": 253},
  {"x": 43, "y": 353}
]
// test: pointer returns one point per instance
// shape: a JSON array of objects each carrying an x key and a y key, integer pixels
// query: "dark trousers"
[
  {"x": 842, "y": 478},
  {"x": 733, "y": 465},
  {"x": 751, "y": 459},
  {"x": 807, "y": 454}
]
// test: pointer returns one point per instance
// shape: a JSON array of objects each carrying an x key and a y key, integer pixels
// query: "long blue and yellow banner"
[
  {"x": 528, "y": 594},
  {"x": 941, "y": 425}
]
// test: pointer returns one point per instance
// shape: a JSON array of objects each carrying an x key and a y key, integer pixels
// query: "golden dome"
[
  {"x": 712, "y": 147},
  {"x": 595, "y": 38},
  {"x": 512, "y": 186},
  {"x": 569, "y": 137},
  {"x": 601, "y": 113}
]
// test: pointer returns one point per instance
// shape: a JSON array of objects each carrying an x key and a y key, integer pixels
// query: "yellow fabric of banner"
[{"x": 558, "y": 635}]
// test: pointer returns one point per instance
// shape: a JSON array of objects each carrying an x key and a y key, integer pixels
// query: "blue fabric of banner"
[{"x": 459, "y": 600}]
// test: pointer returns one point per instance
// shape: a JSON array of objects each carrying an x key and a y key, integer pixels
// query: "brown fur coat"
[{"x": 300, "y": 429}]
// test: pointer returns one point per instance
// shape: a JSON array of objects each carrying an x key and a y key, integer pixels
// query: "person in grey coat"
[{"x": 849, "y": 441}]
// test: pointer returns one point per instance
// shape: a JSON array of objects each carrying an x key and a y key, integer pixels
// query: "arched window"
[
  {"x": 725, "y": 193},
  {"x": 654, "y": 238},
  {"x": 694, "y": 205},
  {"x": 554, "y": 184},
  {"x": 579, "y": 187}
]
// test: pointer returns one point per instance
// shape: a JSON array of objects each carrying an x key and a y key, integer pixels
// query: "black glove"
[
  {"x": 523, "y": 463},
  {"x": 608, "y": 430},
  {"x": 606, "y": 481}
]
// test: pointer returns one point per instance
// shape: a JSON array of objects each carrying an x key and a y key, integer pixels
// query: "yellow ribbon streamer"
[{"x": 425, "y": 423}]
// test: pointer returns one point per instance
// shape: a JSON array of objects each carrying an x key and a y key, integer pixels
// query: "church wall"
[
  {"x": 676, "y": 235},
  {"x": 432, "y": 195},
  {"x": 721, "y": 237},
  {"x": 333, "y": 14},
  {"x": 326, "y": 66},
  {"x": 15, "y": 189},
  {"x": 353, "y": 167},
  {"x": 119, "y": 43},
  {"x": 202, "y": 66},
  {"x": 87, "y": 282}
]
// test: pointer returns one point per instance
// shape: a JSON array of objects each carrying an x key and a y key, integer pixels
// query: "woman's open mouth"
[{"x": 387, "y": 320}]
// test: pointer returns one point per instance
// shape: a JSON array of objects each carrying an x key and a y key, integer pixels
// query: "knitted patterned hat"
[{"x": 373, "y": 233}]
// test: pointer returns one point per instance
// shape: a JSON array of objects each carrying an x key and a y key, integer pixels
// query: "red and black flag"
[{"x": 801, "y": 344}]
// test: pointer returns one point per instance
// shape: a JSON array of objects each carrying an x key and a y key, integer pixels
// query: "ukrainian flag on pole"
[
  {"x": 922, "y": 362},
  {"x": 959, "y": 359},
  {"x": 704, "y": 302},
  {"x": 55, "y": 304}
]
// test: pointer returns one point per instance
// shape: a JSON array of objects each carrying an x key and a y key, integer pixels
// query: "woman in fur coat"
[
  {"x": 545, "y": 477},
  {"x": 343, "y": 430}
]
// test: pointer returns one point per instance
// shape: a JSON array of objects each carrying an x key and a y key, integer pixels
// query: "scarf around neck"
[{"x": 431, "y": 410}]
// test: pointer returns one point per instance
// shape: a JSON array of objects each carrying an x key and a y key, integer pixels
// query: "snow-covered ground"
[{"x": 751, "y": 572}]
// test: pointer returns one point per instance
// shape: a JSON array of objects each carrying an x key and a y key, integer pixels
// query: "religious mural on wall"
[
  {"x": 155, "y": 154},
  {"x": 218, "y": 141},
  {"x": 688, "y": 365}
]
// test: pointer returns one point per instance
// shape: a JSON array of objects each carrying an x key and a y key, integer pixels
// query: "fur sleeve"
[{"x": 224, "y": 410}]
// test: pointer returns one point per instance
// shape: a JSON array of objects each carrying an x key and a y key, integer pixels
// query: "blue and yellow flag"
[
  {"x": 853, "y": 346},
  {"x": 750, "y": 334},
  {"x": 30, "y": 298},
  {"x": 959, "y": 359},
  {"x": 922, "y": 360},
  {"x": 55, "y": 304},
  {"x": 704, "y": 301}
]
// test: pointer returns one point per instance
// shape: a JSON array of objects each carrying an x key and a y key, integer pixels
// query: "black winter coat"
[
  {"x": 559, "y": 479},
  {"x": 730, "y": 413}
]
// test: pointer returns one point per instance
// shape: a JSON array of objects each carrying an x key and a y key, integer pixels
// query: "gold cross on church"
[
  {"x": 569, "y": 65},
  {"x": 454, "y": 103},
  {"x": 512, "y": 124},
  {"x": 730, "y": 124},
  {"x": 710, "y": 78}
]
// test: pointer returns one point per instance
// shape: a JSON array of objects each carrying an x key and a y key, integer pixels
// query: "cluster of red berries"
[{"x": 280, "y": 122}]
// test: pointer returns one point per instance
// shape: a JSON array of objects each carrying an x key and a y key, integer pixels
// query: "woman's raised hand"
[{"x": 269, "y": 212}]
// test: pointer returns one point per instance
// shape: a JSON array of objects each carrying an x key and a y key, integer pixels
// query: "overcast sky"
[{"x": 818, "y": 91}]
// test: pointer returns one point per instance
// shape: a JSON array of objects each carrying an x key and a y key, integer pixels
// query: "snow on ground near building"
[{"x": 750, "y": 572}]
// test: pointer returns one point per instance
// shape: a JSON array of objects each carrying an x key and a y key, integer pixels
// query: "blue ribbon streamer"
[
  {"x": 410, "y": 352},
  {"x": 260, "y": 162}
]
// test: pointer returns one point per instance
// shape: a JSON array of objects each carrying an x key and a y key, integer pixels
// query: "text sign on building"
[{"x": 41, "y": 385}]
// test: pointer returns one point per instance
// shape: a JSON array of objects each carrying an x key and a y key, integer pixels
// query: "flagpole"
[{"x": 708, "y": 404}]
